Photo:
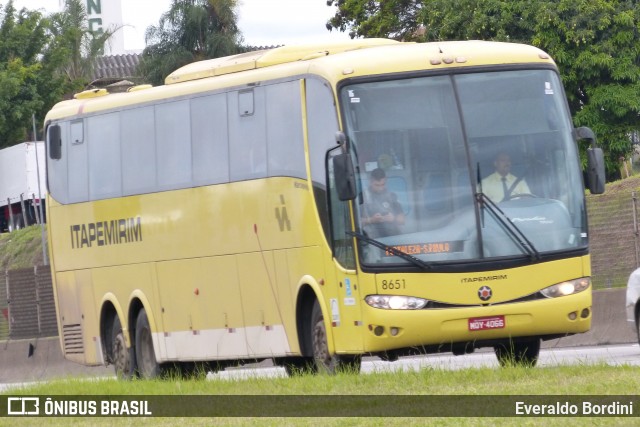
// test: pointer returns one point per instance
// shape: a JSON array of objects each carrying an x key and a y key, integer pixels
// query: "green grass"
[
  {"x": 562, "y": 381},
  {"x": 21, "y": 248}
]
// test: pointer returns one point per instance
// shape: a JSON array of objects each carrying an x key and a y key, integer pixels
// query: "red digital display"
[{"x": 428, "y": 248}]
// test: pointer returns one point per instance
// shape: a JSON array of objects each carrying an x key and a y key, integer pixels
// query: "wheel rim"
[
  {"x": 121, "y": 356},
  {"x": 320, "y": 347}
]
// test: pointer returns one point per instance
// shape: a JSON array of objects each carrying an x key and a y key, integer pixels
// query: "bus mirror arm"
[
  {"x": 341, "y": 140},
  {"x": 595, "y": 161}
]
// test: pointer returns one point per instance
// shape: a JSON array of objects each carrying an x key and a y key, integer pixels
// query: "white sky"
[{"x": 262, "y": 22}]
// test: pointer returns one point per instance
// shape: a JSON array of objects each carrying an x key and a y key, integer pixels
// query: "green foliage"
[
  {"x": 73, "y": 45},
  {"x": 560, "y": 381},
  {"x": 394, "y": 19},
  {"x": 597, "y": 47},
  {"x": 42, "y": 59},
  {"x": 22, "y": 37},
  {"x": 21, "y": 248},
  {"x": 595, "y": 43},
  {"x": 190, "y": 31}
]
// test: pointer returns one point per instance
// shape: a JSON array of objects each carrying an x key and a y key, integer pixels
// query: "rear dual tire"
[
  {"x": 123, "y": 358},
  {"x": 139, "y": 360},
  {"x": 148, "y": 366}
]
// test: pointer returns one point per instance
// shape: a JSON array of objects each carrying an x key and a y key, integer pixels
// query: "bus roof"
[
  {"x": 267, "y": 58},
  {"x": 333, "y": 61}
]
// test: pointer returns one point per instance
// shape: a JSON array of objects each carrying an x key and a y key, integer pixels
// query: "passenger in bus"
[
  {"x": 502, "y": 184},
  {"x": 382, "y": 214}
]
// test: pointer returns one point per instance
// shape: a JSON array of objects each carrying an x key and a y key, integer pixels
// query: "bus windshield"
[{"x": 464, "y": 167}]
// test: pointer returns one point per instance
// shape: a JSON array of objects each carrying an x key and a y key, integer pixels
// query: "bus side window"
[
  {"x": 55, "y": 142},
  {"x": 247, "y": 134},
  {"x": 57, "y": 173},
  {"x": 245, "y": 103}
]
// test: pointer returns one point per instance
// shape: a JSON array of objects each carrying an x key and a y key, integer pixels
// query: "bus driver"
[
  {"x": 382, "y": 214},
  {"x": 502, "y": 184}
]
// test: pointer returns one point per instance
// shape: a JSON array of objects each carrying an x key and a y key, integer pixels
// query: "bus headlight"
[
  {"x": 567, "y": 288},
  {"x": 395, "y": 302}
]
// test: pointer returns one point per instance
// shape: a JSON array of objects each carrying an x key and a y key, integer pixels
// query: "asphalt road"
[{"x": 615, "y": 355}]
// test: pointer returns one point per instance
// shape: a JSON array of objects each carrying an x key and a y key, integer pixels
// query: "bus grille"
[{"x": 72, "y": 335}]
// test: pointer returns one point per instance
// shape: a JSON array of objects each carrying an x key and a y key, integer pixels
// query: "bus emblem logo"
[
  {"x": 282, "y": 217},
  {"x": 485, "y": 293}
]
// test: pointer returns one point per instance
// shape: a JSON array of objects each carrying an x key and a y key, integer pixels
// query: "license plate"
[{"x": 484, "y": 323}]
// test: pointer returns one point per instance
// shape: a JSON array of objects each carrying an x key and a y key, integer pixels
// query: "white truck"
[{"x": 22, "y": 185}]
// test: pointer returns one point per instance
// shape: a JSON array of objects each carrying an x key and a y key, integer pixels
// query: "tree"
[
  {"x": 191, "y": 30},
  {"x": 595, "y": 44},
  {"x": 74, "y": 47},
  {"x": 397, "y": 19},
  {"x": 597, "y": 47},
  {"x": 42, "y": 60},
  {"x": 22, "y": 36}
]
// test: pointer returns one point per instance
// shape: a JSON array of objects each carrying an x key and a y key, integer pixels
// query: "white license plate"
[{"x": 484, "y": 323}]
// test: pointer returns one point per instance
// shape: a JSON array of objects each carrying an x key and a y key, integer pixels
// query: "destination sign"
[{"x": 428, "y": 248}]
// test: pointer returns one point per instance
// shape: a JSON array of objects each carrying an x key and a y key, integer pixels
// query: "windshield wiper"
[
  {"x": 395, "y": 251},
  {"x": 515, "y": 232}
]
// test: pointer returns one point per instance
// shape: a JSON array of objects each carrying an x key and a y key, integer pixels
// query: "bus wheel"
[
  {"x": 148, "y": 367},
  {"x": 518, "y": 353},
  {"x": 124, "y": 359},
  {"x": 324, "y": 361}
]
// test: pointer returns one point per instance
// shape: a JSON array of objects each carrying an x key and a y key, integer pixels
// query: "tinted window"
[
  {"x": 138, "y": 151},
  {"x": 173, "y": 141},
  {"x": 105, "y": 175},
  {"x": 284, "y": 130},
  {"x": 210, "y": 139}
]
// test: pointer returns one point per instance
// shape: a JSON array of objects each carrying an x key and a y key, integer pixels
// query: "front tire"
[
  {"x": 518, "y": 353},
  {"x": 148, "y": 366},
  {"x": 324, "y": 361}
]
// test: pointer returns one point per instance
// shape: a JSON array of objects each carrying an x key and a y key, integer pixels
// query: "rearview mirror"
[
  {"x": 595, "y": 161},
  {"x": 345, "y": 179},
  {"x": 595, "y": 170}
]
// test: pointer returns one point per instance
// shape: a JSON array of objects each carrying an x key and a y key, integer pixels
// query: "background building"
[
  {"x": 107, "y": 15},
  {"x": 102, "y": 15}
]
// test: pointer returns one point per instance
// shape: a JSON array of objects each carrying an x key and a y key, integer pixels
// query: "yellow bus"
[{"x": 230, "y": 214}]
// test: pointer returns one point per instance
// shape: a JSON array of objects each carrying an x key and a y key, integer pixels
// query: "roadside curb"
[{"x": 41, "y": 359}]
